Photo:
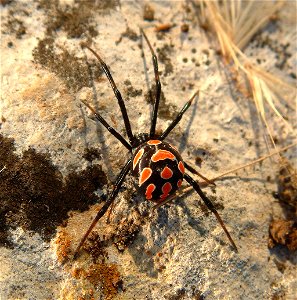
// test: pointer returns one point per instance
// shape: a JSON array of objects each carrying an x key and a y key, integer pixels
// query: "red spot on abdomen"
[
  {"x": 166, "y": 188},
  {"x": 181, "y": 167},
  {"x": 137, "y": 157},
  {"x": 166, "y": 173},
  {"x": 149, "y": 190},
  {"x": 162, "y": 155},
  {"x": 179, "y": 183},
  {"x": 153, "y": 142},
  {"x": 145, "y": 175}
]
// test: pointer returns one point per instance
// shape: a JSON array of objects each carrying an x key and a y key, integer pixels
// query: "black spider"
[{"x": 156, "y": 164}]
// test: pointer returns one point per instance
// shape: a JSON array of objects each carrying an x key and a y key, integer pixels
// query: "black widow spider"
[{"x": 156, "y": 164}]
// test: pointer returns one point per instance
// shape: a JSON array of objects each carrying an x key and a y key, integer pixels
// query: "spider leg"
[
  {"x": 178, "y": 117},
  {"x": 210, "y": 206},
  {"x": 158, "y": 87},
  {"x": 110, "y": 211},
  {"x": 116, "y": 93},
  {"x": 106, "y": 205},
  {"x": 194, "y": 171},
  {"x": 108, "y": 127}
]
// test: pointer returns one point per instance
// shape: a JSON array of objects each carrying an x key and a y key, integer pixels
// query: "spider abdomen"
[{"x": 158, "y": 168}]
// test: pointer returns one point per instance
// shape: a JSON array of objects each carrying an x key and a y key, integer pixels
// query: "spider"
[{"x": 157, "y": 166}]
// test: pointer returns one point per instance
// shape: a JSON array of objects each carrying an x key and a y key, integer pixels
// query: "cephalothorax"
[{"x": 157, "y": 166}]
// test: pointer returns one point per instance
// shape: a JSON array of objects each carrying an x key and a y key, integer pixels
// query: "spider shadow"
[
  {"x": 151, "y": 241},
  {"x": 84, "y": 126},
  {"x": 105, "y": 153},
  {"x": 244, "y": 179},
  {"x": 147, "y": 79},
  {"x": 192, "y": 221},
  {"x": 162, "y": 228},
  {"x": 186, "y": 132}
]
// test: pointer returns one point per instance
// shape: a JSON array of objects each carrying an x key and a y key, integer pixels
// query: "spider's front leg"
[
  {"x": 117, "y": 93},
  {"x": 105, "y": 207},
  {"x": 158, "y": 87}
]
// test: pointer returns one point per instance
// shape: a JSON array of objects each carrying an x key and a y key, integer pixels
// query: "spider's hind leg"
[
  {"x": 194, "y": 171},
  {"x": 210, "y": 206},
  {"x": 107, "y": 204}
]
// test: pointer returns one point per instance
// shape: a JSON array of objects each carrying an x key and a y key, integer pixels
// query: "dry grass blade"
[
  {"x": 3, "y": 169},
  {"x": 222, "y": 175},
  {"x": 252, "y": 162},
  {"x": 235, "y": 23}
]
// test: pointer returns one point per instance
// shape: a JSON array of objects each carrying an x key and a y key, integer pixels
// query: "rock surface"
[{"x": 59, "y": 165}]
